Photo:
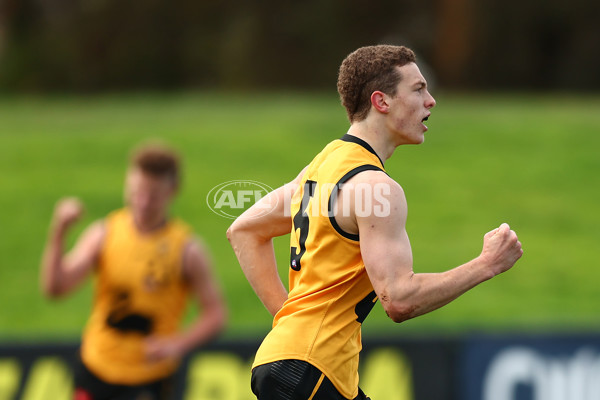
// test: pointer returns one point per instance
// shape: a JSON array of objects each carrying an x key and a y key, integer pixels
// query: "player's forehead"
[
  {"x": 138, "y": 178},
  {"x": 411, "y": 75}
]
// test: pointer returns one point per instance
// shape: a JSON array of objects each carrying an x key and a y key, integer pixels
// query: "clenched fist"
[
  {"x": 67, "y": 211},
  {"x": 501, "y": 249}
]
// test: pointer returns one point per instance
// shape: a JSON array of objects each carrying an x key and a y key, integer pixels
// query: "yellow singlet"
[
  {"x": 139, "y": 292},
  {"x": 330, "y": 293}
]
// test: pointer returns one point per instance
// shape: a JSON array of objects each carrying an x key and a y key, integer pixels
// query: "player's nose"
[{"x": 430, "y": 101}]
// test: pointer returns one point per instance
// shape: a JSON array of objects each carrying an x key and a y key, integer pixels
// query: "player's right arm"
[
  {"x": 60, "y": 272},
  {"x": 251, "y": 237},
  {"x": 386, "y": 252}
]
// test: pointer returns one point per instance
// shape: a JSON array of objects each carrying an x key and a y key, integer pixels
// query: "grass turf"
[{"x": 530, "y": 160}]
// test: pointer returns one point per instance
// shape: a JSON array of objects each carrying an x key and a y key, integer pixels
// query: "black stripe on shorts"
[{"x": 294, "y": 380}]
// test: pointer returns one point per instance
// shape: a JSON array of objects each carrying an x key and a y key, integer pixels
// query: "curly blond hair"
[{"x": 366, "y": 70}]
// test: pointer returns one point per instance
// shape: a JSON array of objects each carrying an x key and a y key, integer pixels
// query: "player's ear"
[{"x": 379, "y": 101}]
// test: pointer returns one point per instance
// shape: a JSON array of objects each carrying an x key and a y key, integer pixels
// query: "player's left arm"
[{"x": 198, "y": 273}]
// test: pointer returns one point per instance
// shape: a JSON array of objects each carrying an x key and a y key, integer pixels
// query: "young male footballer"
[
  {"x": 146, "y": 264},
  {"x": 349, "y": 246}
]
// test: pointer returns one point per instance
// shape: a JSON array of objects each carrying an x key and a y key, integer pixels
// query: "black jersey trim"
[
  {"x": 334, "y": 193},
  {"x": 353, "y": 139}
]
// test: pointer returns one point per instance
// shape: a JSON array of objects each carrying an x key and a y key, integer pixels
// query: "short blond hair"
[{"x": 157, "y": 160}]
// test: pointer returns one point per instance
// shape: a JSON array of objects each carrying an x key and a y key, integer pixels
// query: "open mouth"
[{"x": 423, "y": 122}]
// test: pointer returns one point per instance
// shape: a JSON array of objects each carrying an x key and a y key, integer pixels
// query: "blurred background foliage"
[{"x": 100, "y": 45}]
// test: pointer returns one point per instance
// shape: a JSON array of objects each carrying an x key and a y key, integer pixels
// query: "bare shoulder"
[
  {"x": 88, "y": 247},
  {"x": 367, "y": 198},
  {"x": 384, "y": 195},
  {"x": 376, "y": 178},
  {"x": 194, "y": 249},
  {"x": 97, "y": 229},
  {"x": 195, "y": 257},
  {"x": 93, "y": 236}
]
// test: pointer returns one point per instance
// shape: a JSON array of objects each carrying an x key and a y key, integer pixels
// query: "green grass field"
[{"x": 530, "y": 160}]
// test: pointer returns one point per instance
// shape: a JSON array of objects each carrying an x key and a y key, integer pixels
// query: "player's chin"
[
  {"x": 418, "y": 139},
  {"x": 416, "y": 136},
  {"x": 421, "y": 136}
]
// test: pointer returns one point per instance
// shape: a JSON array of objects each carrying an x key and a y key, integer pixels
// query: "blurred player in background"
[
  {"x": 349, "y": 245},
  {"x": 146, "y": 265}
]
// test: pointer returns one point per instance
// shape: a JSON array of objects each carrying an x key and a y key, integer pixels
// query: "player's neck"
[
  {"x": 146, "y": 225},
  {"x": 374, "y": 137}
]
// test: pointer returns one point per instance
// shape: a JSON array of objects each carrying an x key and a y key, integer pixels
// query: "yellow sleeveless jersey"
[
  {"x": 139, "y": 292},
  {"x": 330, "y": 293}
]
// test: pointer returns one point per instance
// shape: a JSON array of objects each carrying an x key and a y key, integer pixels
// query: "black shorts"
[
  {"x": 294, "y": 380},
  {"x": 89, "y": 387}
]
